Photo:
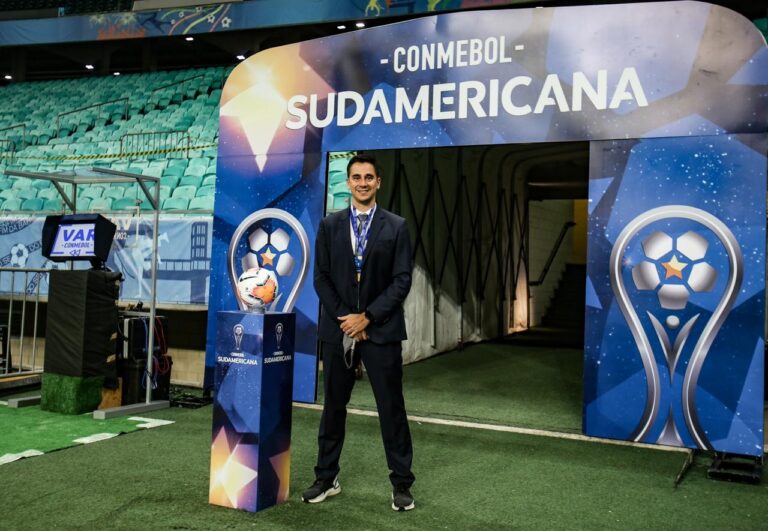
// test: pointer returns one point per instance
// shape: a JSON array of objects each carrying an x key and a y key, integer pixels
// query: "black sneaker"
[
  {"x": 402, "y": 499},
  {"x": 320, "y": 490}
]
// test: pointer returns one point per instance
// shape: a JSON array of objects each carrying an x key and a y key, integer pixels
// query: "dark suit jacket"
[{"x": 386, "y": 275}]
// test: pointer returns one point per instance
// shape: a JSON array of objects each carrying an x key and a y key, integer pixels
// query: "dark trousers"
[{"x": 384, "y": 364}]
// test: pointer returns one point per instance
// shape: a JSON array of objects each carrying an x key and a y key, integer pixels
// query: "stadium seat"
[
  {"x": 32, "y": 205},
  {"x": 21, "y": 182},
  {"x": 100, "y": 203},
  {"x": 169, "y": 180},
  {"x": 201, "y": 203},
  {"x": 187, "y": 192},
  {"x": 26, "y": 193},
  {"x": 48, "y": 193},
  {"x": 209, "y": 180},
  {"x": 82, "y": 203},
  {"x": 91, "y": 192},
  {"x": 165, "y": 192},
  {"x": 195, "y": 171},
  {"x": 9, "y": 193},
  {"x": 176, "y": 203},
  {"x": 125, "y": 203},
  {"x": 11, "y": 205},
  {"x": 174, "y": 171},
  {"x": 53, "y": 204},
  {"x": 191, "y": 181},
  {"x": 205, "y": 191},
  {"x": 113, "y": 192}
]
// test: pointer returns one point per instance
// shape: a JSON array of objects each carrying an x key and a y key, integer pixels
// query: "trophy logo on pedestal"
[
  {"x": 268, "y": 262},
  {"x": 237, "y": 332}
]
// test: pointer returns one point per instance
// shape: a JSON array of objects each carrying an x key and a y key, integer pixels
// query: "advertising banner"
[
  {"x": 676, "y": 292},
  {"x": 620, "y": 71},
  {"x": 215, "y": 17},
  {"x": 184, "y": 257}
]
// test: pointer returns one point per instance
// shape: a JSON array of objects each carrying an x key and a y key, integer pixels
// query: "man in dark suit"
[{"x": 362, "y": 276}]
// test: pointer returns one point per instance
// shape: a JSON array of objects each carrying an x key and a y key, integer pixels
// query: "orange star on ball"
[
  {"x": 267, "y": 257},
  {"x": 674, "y": 268}
]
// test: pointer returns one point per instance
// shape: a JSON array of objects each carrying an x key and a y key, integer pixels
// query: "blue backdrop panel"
[
  {"x": 674, "y": 329},
  {"x": 604, "y": 72}
]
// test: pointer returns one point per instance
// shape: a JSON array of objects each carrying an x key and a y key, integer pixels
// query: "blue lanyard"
[{"x": 361, "y": 235}]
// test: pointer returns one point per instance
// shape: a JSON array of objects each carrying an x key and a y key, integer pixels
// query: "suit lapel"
[
  {"x": 373, "y": 233},
  {"x": 343, "y": 236}
]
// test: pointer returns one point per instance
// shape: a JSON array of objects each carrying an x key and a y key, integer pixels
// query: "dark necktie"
[{"x": 361, "y": 219}]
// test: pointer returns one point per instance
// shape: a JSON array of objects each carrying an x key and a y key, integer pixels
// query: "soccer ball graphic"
[
  {"x": 677, "y": 266},
  {"x": 257, "y": 288},
  {"x": 270, "y": 251},
  {"x": 19, "y": 255}
]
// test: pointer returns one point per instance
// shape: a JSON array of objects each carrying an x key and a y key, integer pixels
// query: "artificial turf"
[
  {"x": 498, "y": 383},
  {"x": 466, "y": 479},
  {"x": 31, "y": 428}
]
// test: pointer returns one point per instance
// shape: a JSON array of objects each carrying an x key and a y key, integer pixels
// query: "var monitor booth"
[{"x": 661, "y": 109}]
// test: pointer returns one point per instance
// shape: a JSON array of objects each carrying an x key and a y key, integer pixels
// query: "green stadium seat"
[
  {"x": 176, "y": 203},
  {"x": 195, "y": 171},
  {"x": 32, "y": 205},
  {"x": 191, "y": 181},
  {"x": 91, "y": 192},
  {"x": 125, "y": 203},
  {"x": 26, "y": 193},
  {"x": 101, "y": 203},
  {"x": 340, "y": 202},
  {"x": 82, "y": 203},
  {"x": 41, "y": 184},
  {"x": 53, "y": 205},
  {"x": 186, "y": 192},
  {"x": 171, "y": 181},
  {"x": 165, "y": 192},
  {"x": 205, "y": 191},
  {"x": 48, "y": 193},
  {"x": 209, "y": 180},
  {"x": 11, "y": 205},
  {"x": 182, "y": 163},
  {"x": 174, "y": 171},
  {"x": 5, "y": 184},
  {"x": 114, "y": 192},
  {"x": 20, "y": 183},
  {"x": 201, "y": 203}
]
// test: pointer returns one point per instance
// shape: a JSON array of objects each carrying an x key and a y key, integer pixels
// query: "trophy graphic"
[
  {"x": 681, "y": 262},
  {"x": 237, "y": 332},
  {"x": 279, "y": 334},
  {"x": 257, "y": 286}
]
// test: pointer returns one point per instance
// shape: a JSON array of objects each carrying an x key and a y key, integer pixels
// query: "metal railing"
[
  {"x": 7, "y": 151},
  {"x": 21, "y": 126},
  {"x": 20, "y": 289},
  {"x": 553, "y": 253},
  {"x": 156, "y": 141},
  {"x": 92, "y": 106}
]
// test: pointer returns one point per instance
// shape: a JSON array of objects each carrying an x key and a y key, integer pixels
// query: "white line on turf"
[
  {"x": 508, "y": 429},
  {"x": 96, "y": 437},
  {"x": 10, "y": 458},
  {"x": 150, "y": 423}
]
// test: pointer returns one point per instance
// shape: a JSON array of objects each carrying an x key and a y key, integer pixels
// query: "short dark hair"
[{"x": 363, "y": 158}]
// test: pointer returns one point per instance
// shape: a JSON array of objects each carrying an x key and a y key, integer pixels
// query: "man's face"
[{"x": 363, "y": 182}]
